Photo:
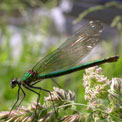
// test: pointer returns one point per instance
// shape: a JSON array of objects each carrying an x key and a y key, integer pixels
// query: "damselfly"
[{"x": 61, "y": 61}]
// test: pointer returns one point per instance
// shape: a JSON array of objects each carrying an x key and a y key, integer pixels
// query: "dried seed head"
[{"x": 60, "y": 97}]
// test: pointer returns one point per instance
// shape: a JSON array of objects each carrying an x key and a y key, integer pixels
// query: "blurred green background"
[{"x": 31, "y": 29}]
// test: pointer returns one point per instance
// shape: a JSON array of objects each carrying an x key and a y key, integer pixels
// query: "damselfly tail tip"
[{"x": 113, "y": 59}]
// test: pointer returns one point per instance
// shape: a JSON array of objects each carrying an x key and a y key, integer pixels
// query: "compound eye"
[
  {"x": 13, "y": 83},
  {"x": 14, "y": 80}
]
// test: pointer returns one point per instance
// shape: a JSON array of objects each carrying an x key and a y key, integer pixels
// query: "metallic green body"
[{"x": 28, "y": 75}]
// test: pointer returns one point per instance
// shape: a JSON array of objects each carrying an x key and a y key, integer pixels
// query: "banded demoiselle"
[{"x": 62, "y": 61}]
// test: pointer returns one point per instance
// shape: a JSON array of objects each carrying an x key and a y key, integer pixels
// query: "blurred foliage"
[
  {"x": 97, "y": 8},
  {"x": 9, "y": 6},
  {"x": 11, "y": 67}
]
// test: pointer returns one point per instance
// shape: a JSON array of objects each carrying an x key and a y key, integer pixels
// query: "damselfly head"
[{"x": 14, "y": 82}]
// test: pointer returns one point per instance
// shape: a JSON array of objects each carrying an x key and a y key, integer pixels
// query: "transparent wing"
[{"x": 72, "y": 50}]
